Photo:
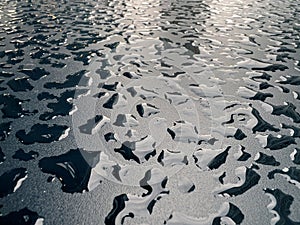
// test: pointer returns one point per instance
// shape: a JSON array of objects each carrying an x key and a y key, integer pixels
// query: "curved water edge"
[{"x": 154, "y": 112}]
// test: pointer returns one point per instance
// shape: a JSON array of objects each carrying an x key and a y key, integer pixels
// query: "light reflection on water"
[{"x": 187, "y": 111}]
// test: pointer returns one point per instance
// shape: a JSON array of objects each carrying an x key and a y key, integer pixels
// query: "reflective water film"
[{"x": 150, "y": 112}]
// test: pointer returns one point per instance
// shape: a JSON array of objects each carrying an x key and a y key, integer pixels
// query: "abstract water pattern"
[{"x": 150, "y": 112}]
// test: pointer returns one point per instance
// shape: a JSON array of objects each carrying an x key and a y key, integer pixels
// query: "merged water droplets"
[
  {"x": 24, "y": 216},
  {"x": 169, "y": 112},
  {"x": 42, "y": 133},
  {"x": 70, "y": 168},
  {"x": 12, "y": 180}
]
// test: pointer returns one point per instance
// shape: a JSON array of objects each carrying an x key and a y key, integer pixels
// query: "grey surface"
[{"x": 152, "y": 22}]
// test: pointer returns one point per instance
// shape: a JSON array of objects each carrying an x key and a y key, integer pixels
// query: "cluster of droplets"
[{"x": 190, "y": 108}]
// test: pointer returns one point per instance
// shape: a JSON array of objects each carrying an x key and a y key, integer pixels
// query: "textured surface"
[{"x": 161, "y": 112}]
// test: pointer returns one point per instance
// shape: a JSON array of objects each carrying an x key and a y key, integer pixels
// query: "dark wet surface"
[{"x": 149, "y": 112}]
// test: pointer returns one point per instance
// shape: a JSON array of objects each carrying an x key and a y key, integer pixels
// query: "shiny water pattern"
[{"x": 150, "y": 112}]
